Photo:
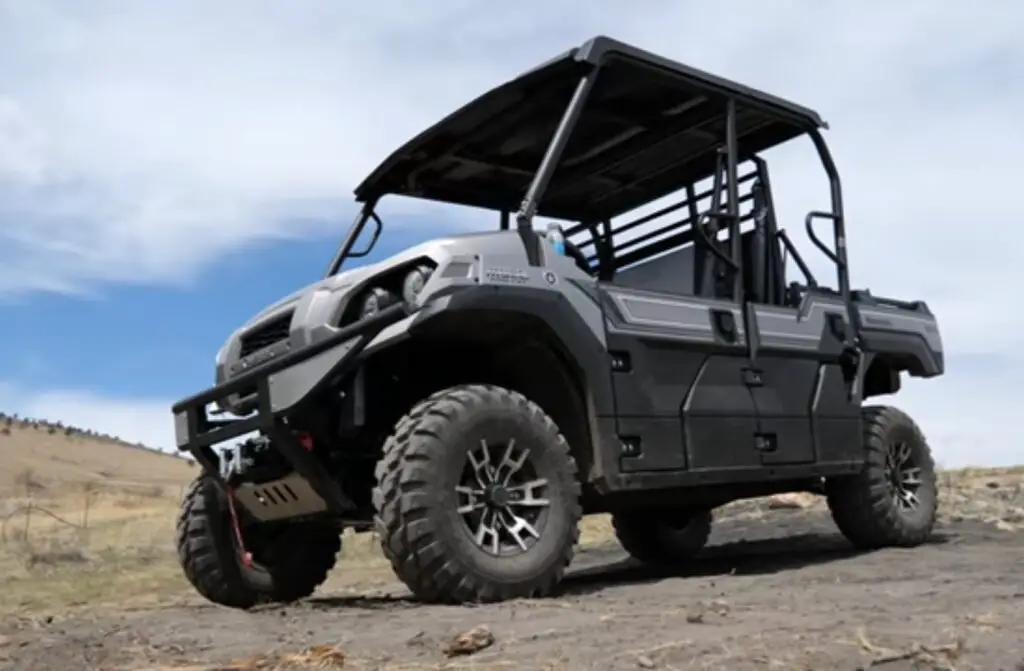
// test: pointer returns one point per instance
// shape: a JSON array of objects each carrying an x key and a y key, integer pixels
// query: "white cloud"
[
  {"x": 141, "y": 420},
  {"x": 129, "y": 133},
  {"x": 141, "y": 141}
]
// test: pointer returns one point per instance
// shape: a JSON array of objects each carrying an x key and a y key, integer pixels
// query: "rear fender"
[{"x": 904, "y": 335}]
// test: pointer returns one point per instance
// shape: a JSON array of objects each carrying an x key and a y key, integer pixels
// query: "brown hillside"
[{"x": 39, "y": 457}]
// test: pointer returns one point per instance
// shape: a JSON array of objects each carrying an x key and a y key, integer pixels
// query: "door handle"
[
  {"x": 724, "y": 323},
  {"x": 837, "y": 325}
]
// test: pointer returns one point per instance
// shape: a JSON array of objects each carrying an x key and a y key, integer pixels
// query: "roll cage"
[{"x": 604, "y": 129}]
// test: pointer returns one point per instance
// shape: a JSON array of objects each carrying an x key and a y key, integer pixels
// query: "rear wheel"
[
  {"x": 477, "y": 498},
  {"x": 663, "y": 540},
  {"x": 288, "y": 561},
  {"x": 894, "y": 500}
]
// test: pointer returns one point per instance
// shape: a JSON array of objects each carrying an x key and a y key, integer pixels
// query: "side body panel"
[
  {"x": 681, "y": 390},
  {"x": 678, "y": 367},
  {"x": 807, "y": 413}
]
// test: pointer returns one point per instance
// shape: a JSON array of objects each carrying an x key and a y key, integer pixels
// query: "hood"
[{"x": 352, "y": 276}]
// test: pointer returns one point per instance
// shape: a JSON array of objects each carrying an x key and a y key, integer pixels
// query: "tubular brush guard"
[{"x": 278, "y": 390}]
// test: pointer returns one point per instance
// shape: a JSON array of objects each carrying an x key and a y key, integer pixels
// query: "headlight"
[
  {"x": 375, "y": 301},
  {"x": 414, "y": 282}
]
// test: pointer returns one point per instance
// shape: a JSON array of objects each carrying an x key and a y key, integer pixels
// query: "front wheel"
[
  {"x": 477, "y": 497},
  {"x": 288, "y": 560},
  {"x": 893, "y": 501}
]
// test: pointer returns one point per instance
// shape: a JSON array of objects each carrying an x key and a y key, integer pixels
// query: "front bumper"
[{"x": 281, "y": 385}]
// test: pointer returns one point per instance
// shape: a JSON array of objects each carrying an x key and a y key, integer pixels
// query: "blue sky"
[
  {"x": 168, "y": 168},
  {"x": 132, "y": 341}
]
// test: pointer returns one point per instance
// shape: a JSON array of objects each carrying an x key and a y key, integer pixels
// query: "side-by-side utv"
[{"x": 471, "y": 397}]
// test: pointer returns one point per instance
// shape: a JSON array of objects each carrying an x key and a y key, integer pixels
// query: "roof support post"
[
  {"x": 553, "y": 155},
  {"x": 733, "y": 196}
]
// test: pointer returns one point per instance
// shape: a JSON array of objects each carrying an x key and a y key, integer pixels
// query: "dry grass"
[
  {"x": 126, "y": 557},
  {"x": 83, "y": 517},
  {"x": 40, "y": 462},
  {"x": 88, "y": 521}
]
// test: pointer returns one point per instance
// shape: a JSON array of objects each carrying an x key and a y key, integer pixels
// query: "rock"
[
  {"x": 792, "y": 501},
  {"x": 469, "y": 642},
  {"x": 318, "y": 656},
  {"x": 418, "y": 640},
  {"x": 1014, "y": 515},
  {"x": 719, "y": 607}
]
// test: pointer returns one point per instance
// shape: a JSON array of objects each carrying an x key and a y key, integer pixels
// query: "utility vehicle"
[{"x": 470, "y": 398}]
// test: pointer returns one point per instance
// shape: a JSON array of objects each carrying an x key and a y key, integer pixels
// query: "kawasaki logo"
[{"x": 507, "y": 275}]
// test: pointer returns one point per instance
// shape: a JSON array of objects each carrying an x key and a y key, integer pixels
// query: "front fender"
[{"x": 572, "y": 318}]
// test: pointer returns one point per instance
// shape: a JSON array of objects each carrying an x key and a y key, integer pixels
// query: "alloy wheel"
[
  {"x": 903, "y": 475},
  {"x": 502, "y": 500}
]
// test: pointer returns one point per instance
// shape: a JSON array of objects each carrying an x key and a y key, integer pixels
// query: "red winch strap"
[{"x": 245, "y": 554}]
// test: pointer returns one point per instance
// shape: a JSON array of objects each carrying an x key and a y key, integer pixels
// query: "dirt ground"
[
  {"x": 775, "y": 591},
  {"x": 89, "y": 580}
]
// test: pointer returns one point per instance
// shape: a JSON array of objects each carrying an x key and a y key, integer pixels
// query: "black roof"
[{"x": 650, "y": 127}]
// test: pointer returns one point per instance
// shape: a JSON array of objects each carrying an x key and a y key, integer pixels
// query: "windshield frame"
[{"x": 366, "y": 213}]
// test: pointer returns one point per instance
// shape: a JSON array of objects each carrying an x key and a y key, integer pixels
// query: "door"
[
  {"x": 678, "y": 365},
  {"x": 798, "y": 385}
]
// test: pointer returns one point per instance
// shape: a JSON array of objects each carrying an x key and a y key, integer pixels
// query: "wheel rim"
[
  {"x": 502, "y": 501},
  {"x": 903, "y": 475}
]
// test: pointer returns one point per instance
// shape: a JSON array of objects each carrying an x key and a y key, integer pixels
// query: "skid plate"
[{"x": 291, "y": 496}]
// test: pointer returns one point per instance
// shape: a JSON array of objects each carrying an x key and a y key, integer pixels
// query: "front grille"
[{"x": 266, "y": 334}]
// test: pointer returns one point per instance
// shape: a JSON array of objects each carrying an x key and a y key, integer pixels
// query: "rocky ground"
[{"x": 777, "y": 590}]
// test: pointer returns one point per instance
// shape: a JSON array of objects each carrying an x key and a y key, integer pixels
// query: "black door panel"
[
  {"x": 661, "y": 372},
  {"x": 802, "y": 401},
  {"x": 782, "y": 398},
  {"x": 679, "y": 387},
  {"x": 835, "y": 421},
  {"x": 719, "y": 418}
]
